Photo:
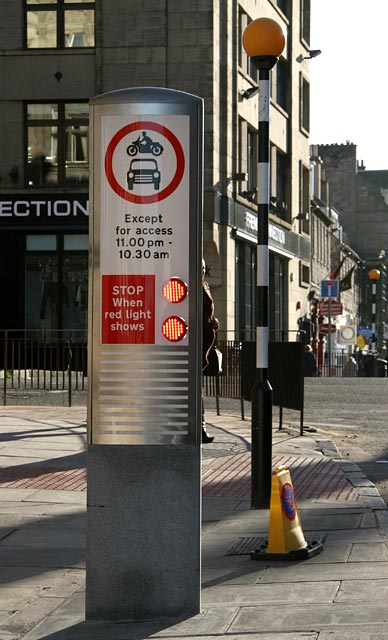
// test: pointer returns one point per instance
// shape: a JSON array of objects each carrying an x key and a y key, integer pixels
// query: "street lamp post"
[
  {"x": 263, "y": 41},
  {"x": 374, "y": 275}
]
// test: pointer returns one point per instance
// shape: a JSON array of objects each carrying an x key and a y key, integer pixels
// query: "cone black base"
[{"x": 299, "y": 554}]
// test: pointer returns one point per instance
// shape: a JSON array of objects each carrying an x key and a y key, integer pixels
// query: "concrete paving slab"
[
  {"x": 335, "y": 552},
  {"x": 5, "y": 532},
  {"x": 58, "y": 497},
  {"x": 205, "y": 624},
  {"x": 313, "y": 617},
  {"x": 41, "y": 557},
  {"x": 252, "y": 636},
  {"x": 382, "y": 518},
  {"x": 57, "y": 628},
  {"x": 361, "y": 591},
  {"x": 12, "y": 460},
  {"x": 37, "y": 509},
  {"x": 74, "y": 520},
  {"x": 359, "y": 480},
  {"x": 15, "y": 598},
  {"x": 233, "y": 563},
  {"x": 67, "y": 584},
  {"x": 242, "y": 526},
  {"x": 307, "y": 572},
  {"x": 359, "y": 535},
  {"x": 215, "y": 547},
  {"x": 58, "y": 448},
  {"x": 73, "y": 606},
  {"x": 374, "y": 503},
  {"x": 323, "y": 505},
  {"x": 7, "y": 635},
  {"x": 16, "y": 515},
  {"x": 14, "y": 495},
  {"x": 283, "y": 594},
  {"x": 27, "y": 618},
  {"x": 366, "y": 553},
  {"x": 373, "y": 632},
  {"x": 314, "y": 522},
  {"x": 37, "y": 577},
  {"x": 36, "y": 537},
  {"x": 225, "y": 576}
]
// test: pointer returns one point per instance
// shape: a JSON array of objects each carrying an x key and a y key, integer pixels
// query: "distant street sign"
[
  {"x": 329, "y": 288},
  {"x": 336, "y": 308},
  {"x": 366, "y": 332},
  {"x": 327, "y": 328},
  {"x": 347, "y": 334}
]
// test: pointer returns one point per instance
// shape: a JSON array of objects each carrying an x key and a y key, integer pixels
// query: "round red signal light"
[
  {"x": 175, "y": 290},
  {"x": 174, "y": 328}
]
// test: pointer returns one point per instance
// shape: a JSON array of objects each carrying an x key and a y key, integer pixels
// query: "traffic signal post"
[{"x": 145, "y": 327}]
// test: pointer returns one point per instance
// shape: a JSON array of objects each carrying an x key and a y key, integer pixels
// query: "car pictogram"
[{"x": 143, "y": 171}]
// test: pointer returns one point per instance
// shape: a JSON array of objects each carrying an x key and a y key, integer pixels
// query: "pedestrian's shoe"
[{"x": 206, "y": 439}]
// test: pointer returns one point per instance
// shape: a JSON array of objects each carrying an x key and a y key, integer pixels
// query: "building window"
[
  {"x": 281, "y": 177},
  {"x": 304, "y": 274},
  {"x": 304, "y": 198},
  {"x": 278, "y": 297},
  {"x": 248, "y": 158},
  {"x": 279, "y": 185},
  {"x": 56, "y": 283},
  {"x": 245, "y": 62},
  {"x": 305, "y": 21},
  {"x": 282, "y": 84},
  {"x": 57, "y": 144},
  {"x": 252, "y": 163},
  {"x": 59, "y": 24},
  {"x": 284, "y": 5},
  {"x": 304, "y": 105},
  {"x": 245, "y": 290}
]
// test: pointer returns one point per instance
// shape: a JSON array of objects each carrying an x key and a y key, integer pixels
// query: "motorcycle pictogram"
[{"x": 144, "y": 144}]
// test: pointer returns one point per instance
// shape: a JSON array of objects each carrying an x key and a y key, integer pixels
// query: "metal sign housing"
[{"x": 145, "y": 230}]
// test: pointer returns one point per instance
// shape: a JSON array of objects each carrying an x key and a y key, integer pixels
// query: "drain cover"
[{"x": 245, "y": 546}]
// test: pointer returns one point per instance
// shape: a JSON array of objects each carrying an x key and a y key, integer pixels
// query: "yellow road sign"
[{"x": 361, "y": 342}]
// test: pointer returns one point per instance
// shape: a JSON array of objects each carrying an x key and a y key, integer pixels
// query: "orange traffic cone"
[{"x": 286, "y": 540}]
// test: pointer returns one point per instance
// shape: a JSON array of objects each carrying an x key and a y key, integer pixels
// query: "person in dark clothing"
[
  {"x": 210, "y": 328},
  {"x": 310, "y": 364}
]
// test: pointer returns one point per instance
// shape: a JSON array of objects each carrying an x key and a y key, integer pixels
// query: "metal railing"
[
  {"x": 341, "y": 365},
  {"x": 36, "y": 362}
]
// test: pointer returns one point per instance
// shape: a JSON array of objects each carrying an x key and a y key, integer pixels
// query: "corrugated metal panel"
[{"x": 143, "y": 394}]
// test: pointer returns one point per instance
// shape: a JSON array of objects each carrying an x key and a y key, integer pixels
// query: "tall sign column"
[{"x": 143, "y": 549}]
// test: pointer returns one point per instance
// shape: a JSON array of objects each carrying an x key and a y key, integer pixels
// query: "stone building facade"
[
  {"x": 56, "y": 56},
  {"x": 361, "y": 197}
]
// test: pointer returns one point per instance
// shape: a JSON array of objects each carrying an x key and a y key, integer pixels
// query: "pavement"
[{"x": 340, "y": 594}]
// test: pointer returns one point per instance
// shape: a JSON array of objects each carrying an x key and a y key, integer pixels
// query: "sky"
[{"x": 349, "y": 79}]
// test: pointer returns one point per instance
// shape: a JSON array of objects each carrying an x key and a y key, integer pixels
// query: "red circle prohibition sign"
[
  {"x": 180, "y": 162},
  {"x": 288, "y": 502}
]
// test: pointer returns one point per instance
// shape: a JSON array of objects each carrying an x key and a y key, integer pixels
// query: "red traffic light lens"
[
  {"x": 175, "y": 290},
  {"x": 174, "y": 328}
]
